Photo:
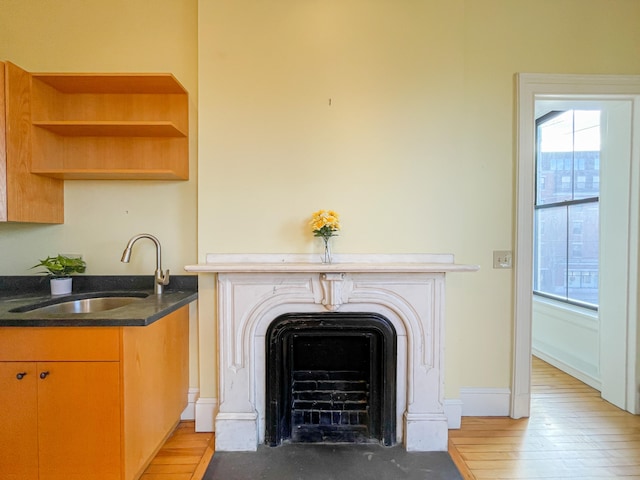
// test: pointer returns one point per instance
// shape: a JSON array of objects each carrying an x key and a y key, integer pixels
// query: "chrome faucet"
[{"x": 161, "y": 279}]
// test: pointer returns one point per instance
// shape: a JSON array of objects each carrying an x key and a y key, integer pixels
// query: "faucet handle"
[{"x": 163, "y": 278}]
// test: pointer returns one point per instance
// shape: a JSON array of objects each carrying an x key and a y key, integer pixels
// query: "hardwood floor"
[
  {"x": 184, "y": 456},
  {"x": 572, "y": 433}
]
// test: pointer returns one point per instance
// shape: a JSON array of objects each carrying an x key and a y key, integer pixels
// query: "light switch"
[{"x": 502, "y": 259}]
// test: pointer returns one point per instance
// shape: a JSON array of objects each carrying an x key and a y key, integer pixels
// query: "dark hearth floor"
[{"x": 331, "y": 462}]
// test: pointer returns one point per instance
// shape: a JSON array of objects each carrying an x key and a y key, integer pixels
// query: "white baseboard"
[
  {"x": 189, "y": 413},
  {"x": 205, "y": 414},
  {"x": 485, "y": 402},
  {"x": 473, "y": 402},
  {"x": 453, "y": 412}
]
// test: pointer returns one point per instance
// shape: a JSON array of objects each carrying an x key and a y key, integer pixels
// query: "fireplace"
[
  {"x": 253, "y": 290},
  {"x": 330, "y": 378}
]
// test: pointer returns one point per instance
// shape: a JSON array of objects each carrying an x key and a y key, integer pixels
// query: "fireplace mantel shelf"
[{"x": 342, "y": 263}]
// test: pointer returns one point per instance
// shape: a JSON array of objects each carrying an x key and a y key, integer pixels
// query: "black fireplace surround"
[{"x": 331, "y": 378}]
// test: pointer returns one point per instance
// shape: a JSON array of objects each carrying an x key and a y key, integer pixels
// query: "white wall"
[{"x": 569, "y": 338}]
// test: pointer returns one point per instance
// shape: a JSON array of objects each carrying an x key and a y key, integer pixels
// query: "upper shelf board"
[{"x": 112, "y": 82}]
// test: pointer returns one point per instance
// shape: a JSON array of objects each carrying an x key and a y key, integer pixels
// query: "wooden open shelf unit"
[
  {"x": 85, "y": 126},
  {"x": 109, "y": 126}
]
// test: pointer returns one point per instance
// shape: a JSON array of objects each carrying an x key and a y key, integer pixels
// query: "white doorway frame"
[{"x": 528, "y": 88}]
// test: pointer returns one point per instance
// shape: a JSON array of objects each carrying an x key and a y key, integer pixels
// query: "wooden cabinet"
[
  {"x": 75, "y": 126},
  {"x": 89, "y": 403},
  {"x": 61, "y": 410},
  {"x": 54, "y": 411},
  {"x": 24, "y": 196}
]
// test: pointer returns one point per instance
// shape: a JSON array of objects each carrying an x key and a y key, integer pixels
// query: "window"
[{"x": 566, "y": 243}]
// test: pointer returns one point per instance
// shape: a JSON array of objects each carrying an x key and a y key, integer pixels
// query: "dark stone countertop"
[{"x": 17, "y": 292}]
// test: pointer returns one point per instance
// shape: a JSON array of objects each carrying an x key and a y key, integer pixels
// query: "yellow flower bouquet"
[{"x": 324, "y": 223}]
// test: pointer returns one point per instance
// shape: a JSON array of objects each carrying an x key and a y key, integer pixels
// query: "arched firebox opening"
[{"x": 331, "y": 378}]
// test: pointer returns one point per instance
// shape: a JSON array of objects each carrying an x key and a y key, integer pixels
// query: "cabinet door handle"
[
  {"x": 44, "y": 375},
  {"x": 21, "y": 375}
]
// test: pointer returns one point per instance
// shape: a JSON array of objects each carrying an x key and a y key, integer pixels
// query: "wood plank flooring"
[
  {"x": 572, "y": 433},
  {"x": 184, "y": 456}
]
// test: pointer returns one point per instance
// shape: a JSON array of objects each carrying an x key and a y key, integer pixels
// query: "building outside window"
[{"x": 566, "y": 243}]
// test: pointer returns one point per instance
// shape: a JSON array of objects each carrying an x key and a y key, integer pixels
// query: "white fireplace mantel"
[
  {"x": 254, "y": 289},
  {"x": 294, "y": 262}
]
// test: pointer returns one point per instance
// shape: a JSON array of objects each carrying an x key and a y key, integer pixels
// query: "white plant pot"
[{"x": 61, "y": 286}]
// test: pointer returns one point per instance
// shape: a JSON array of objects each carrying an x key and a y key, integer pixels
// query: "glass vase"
[{"x": 326, "y": 258}]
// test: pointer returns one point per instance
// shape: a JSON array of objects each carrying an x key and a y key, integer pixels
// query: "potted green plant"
[{"x": 60, "y": 269}]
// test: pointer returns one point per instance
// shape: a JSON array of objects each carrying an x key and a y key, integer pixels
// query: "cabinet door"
[
  {"x": 29, "y": 197},
  {"x": 18, "y": 421},
  {"x": 3, "y": 148},
  {"x": 79, "y": 420}
]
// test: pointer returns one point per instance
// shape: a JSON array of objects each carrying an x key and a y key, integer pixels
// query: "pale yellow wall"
[
  {"x": 503, "y": 37},
  {"x": 100, "y": 216},
  {"x": 416, "y": 150}
]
